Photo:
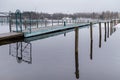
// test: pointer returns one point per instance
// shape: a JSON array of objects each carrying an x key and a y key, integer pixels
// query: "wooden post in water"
[
  {"x": 105, "y": 33},
  {"x": 100, "y": 35},
  {"x": 76, "y": 52},
  {"x": 91, "y": 41},
  {"x": 91, "y": 34},
  {"x": 111, "y": 27},
  {"x": 108, "y": 30}
]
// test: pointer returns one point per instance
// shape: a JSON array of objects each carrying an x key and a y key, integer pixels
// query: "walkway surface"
[
  {"x": 10, "y": 35},
  {"x": 50, "y": 29}
]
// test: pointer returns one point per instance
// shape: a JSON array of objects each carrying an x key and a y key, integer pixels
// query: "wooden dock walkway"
[
  {"x": 51, "y": 29},
  {"x": 11, "y": 35}
]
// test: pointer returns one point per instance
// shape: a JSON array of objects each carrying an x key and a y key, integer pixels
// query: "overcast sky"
[{"x": 64, "y": 6}]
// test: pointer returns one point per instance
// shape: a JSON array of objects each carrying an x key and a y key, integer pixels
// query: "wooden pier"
[
  {"x": 11, "y": 35},
  {"x": 51, "y": 29}
]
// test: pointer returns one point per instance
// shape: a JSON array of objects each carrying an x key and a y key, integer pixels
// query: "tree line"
[{"x": 92, "y": 15}]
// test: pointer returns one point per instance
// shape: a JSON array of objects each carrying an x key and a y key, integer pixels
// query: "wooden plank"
[{"x": 10, "y": 35}]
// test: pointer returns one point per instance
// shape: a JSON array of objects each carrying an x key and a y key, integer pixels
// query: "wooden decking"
[
  {"x": 11, "y": 35},
  {"x": 46, "y": 30}
]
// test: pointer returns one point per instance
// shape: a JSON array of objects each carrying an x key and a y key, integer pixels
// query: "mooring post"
[
  {"x": 108, "y": 29},
  {"x": 76, "y": 52},
  {"x": 91, "y": 34},
  {"x": 111, "y": 25},
  {"x": 91, "y": 41},
  {"x": 105, "y": 33},
  {"x": 100, "y": 35}
]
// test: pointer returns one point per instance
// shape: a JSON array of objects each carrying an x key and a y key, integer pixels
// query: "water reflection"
[{"x": 22, "y": 51}]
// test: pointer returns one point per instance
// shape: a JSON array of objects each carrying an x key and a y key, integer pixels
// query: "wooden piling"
[
  {"x": 76, "y": 52},
  {"x": 108, "y": 29},
  {"x": 91, "y": 41},
  {"x": 91, "y": 34},
  {"x": 105, "y": 39},
  {"x": 111, "y": 25},
  {"x": 100, "y": 35}
]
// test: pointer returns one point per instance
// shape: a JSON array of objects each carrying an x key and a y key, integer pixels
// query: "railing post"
[
  {"x": 64, "y": 23},
  {"x": 10, "y": 27},
  {"x": 30, "y": 21}
]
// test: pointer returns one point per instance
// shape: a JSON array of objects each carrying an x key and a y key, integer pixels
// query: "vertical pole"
[
  {"x": 100, "y": 35},
  {"x": 20, "y": 22},
  {"x": 64, "y": 23},
  {"x": 16, "y": 14},
  {"x": 30, "y": 22},
  {"x": 105, "y": 33},
  {"x": 76, "y": 53},
  {"x": 111, "y": 24},
  {"x": 91, "y": 42},
  {"x": 10, "y": 28},
  {"x": 108, "y": 29},
  {"x": 91, "y": 34}
]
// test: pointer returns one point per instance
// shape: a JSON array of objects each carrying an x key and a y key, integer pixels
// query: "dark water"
[{"x": 70, "y": 55}]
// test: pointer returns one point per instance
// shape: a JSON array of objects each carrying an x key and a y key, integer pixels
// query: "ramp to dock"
[{"x": 11, "y": 35}]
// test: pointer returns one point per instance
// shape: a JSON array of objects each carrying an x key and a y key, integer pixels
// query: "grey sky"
[{"x": 65, "y": 6}]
